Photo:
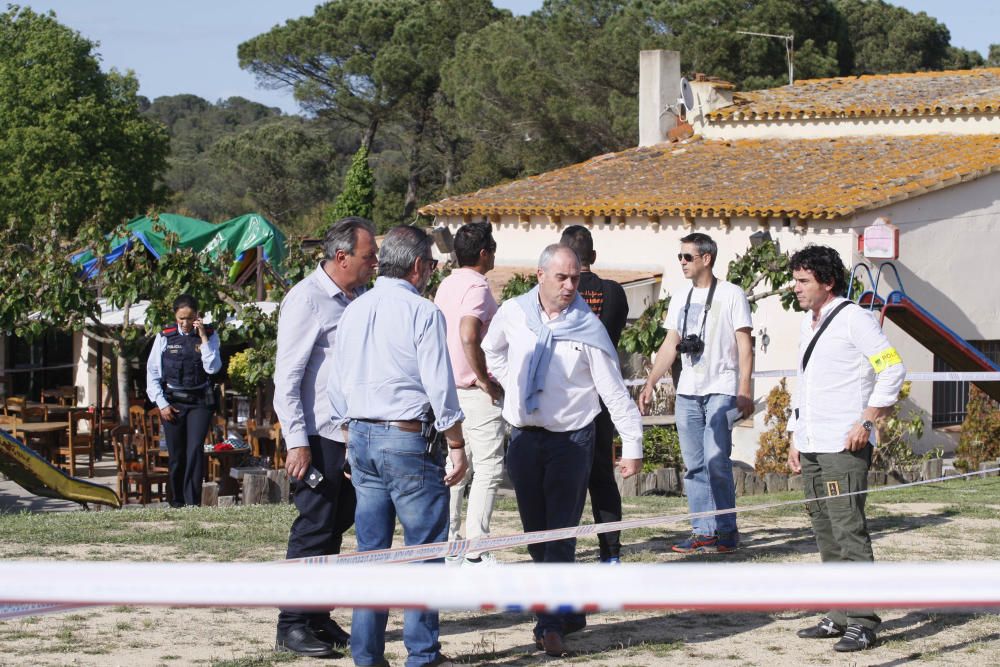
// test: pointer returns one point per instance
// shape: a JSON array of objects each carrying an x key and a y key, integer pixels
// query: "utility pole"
[{"x": 789, "y": 49}]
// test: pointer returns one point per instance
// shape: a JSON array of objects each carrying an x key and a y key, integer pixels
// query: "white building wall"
[{"x": 825, "y": 128}]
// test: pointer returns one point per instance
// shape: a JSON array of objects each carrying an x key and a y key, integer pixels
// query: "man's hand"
[
  {"x": 857, "y": 438},
  {"x": 629, "y": 467},
  {"x": 793, "y": 459},
  {"x": 745, "y": 403},
  {"x": 459, "y": 465},
  {"x": 298, "y": 461},
  {"x": 168, "y": 414},
  {"x": 646, "y": 398},
  {"x": 492, "y": 388}
]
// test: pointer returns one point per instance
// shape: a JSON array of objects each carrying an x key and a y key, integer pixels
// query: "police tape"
[
  {"x": 912, "y": 376},
  {"x": 44, "y": 587}
]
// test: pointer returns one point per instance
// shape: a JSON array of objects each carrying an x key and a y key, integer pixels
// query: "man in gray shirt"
[
  {"x": 307, "y": 330},
  {"x": 392, "y": 382}
]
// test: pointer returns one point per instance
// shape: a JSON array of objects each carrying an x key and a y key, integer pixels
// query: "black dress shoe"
[
  {"x": 825, "y": 629},
  {"x": 856, "y": 638},
  {"x": 303, "y": 641},
  {"x": 327, "y": 630}
]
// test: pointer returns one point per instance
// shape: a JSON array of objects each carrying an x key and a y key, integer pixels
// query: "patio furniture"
[
  {"x": 136, "y": 482},
  {"x": 76, "y": 442}
]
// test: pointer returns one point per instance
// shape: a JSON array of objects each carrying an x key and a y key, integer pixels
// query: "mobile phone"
[{"x": 313, "y": 477}]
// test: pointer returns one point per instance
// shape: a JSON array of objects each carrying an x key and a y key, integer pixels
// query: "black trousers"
[
  {"x": 605, "y": 498},
  {"x": 549, "y": 472},
  {"x": 325, "y": 514},
  {"x": 186, "y": 445}
]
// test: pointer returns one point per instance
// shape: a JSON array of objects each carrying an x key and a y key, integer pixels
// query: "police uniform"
[{"x": 177, "y": 375}]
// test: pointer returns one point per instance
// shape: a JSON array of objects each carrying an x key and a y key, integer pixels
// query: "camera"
[{"x": 691, "y": 344}]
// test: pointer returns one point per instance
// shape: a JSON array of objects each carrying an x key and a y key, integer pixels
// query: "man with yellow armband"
[{"x": 849, "y": 377}]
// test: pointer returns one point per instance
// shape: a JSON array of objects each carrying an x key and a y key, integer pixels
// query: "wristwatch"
[{"x": 868, "y": 425}]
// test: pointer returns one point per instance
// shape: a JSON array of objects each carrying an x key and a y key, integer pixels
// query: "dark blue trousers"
[
  {"x": 325, "y": 514},
  {"x": 550, "y": 472},
  {"x": 185, "y": 438}
]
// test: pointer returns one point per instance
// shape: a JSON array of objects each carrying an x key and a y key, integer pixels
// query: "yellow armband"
[{"x": 884, "y": 359}]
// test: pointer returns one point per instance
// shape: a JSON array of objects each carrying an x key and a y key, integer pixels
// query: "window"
[{"x": 950, "y": 398}]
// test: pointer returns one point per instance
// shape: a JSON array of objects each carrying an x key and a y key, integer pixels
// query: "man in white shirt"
[
  {"x": 849, "y": 377},
  {"x": 709, "y": 326},
  {"x": 307, "y": 329},
  {"x": 550, "y": 353}
]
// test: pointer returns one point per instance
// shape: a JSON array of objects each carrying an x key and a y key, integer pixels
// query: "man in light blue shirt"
[
  {"x": 392, "y": 382},
  {"x": 307, "y": 330}
]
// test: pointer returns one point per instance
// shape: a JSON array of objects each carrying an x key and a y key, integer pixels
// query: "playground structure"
[{"x": 922, "y": 326}]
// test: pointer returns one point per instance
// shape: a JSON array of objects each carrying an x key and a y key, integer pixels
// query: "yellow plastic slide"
[{"x": 36, "y": 475}]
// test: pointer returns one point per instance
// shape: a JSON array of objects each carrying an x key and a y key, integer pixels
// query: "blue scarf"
[{"x": 579, "y": 324}]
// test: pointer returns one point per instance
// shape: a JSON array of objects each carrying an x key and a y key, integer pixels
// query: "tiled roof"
[
  {"x": 916, "y": 94},
  {"x": 501, "y": 275},
  {"x": 802, "y": 178}
]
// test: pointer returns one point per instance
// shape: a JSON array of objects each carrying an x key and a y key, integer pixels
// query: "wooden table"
[
  {"x": 48, "y": 433},
  {"x": 53, "y": 409},
  {"x": 218, "y": 464}
]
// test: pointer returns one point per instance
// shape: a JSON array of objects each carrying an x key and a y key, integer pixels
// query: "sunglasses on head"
[{"x": 686, "y": 257}]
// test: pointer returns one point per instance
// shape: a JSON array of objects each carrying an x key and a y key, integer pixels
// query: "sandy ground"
[{"x": 174, "y": 636}]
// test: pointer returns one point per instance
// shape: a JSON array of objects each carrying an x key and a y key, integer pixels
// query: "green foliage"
[
  {"x": 518, "y": 285},
  {"x": 763, "y": 265},
  {"x": 661, "y": 448},
  {"x": 772, "y": 453},
  {"x": 358, "y": 195},
  {"x": 250, "y": 369},
  {"x": 435, "y": 281},
  {"x": 646, "y": 334},
  {"x": 73, "y": 145},
  {"x": 896, "y": 432},
  {"x": 993, "y": 60},
  {"x": 980, "y": 440}
]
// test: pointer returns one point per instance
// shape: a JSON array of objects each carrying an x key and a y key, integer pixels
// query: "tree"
[
  {"x": 994, "y": 58},
  {"x": 358, "y": 195},
  {"x": 980, "y": 440},
  {"x": 763, "y": 265},
  {"x": 73, "y": 144}
]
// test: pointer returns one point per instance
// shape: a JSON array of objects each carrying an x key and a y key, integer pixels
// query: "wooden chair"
[
  {"x": 34, "y": 413},
  {"x": 136, "y": 483},
  {"x": 153, "y": 431},
  {"x": 76, "y": 443},
  {"x": 137, "y": 419},
  {"x": 67, "y": 395},
  {"x": 279, "y": 446},
  {"x": 13, "y": 404}
]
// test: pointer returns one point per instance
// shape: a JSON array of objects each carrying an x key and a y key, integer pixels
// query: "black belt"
[{"x": 533, "y": 429}]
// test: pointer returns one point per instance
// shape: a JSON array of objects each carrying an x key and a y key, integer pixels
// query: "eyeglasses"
[
  {"x": 686, "y": 257},
  {"x": 431, "y": 261}
]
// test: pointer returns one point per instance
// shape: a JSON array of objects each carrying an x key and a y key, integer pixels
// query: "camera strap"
[
  {"x": 708, "y": 307},
  {"x": 822, "y": 328}
]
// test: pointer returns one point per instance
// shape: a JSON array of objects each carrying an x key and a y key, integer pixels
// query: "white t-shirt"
[{"x": 717, "y": 369}]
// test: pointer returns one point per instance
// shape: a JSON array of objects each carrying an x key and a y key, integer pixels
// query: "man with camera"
[{"x": 709, "y": 326}]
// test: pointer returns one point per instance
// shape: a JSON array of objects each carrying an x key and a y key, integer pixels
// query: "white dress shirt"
[
  {"x": 211, "y": 361},
  {"x": 840, "y": 380},
  {"x": 577, "y": 377},
  {"x": 307, "y": 330}
]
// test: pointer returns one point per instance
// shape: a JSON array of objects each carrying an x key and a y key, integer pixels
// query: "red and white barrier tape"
[
  {"x": 912, "y": 376},
  {"x": 43, "y": 587}
]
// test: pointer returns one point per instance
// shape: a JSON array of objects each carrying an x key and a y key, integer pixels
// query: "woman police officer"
[{"x": 177, "y": 380}]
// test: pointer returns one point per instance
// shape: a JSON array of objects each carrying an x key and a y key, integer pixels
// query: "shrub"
[
  {"x": 249, "y": 369},
  {"x": 772, "y": 453},
  {"x": 980, "y": 440},
  {"x": 895, "y": 434},
  {"x": 518, "y": 285},
  {"x": 661, "y": 448}
]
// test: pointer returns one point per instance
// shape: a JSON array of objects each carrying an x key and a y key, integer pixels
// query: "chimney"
[{"x": 659, "y": 88}]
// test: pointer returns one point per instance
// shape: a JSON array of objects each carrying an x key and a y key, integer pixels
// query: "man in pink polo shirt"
[{"x": 468, "y": 306}]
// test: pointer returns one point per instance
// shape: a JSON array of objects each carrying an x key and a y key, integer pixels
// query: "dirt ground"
[{"x": 136, "y": 637}]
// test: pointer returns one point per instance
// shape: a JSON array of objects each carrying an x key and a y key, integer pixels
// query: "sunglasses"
[{"x": 686, "y": 257}]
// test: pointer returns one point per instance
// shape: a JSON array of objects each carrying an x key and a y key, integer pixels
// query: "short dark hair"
[
  {"x": 401, "y": 248},
  {"x": 471, "y": 239},
  {"x": 343, "y": 235},
  {"x": 186, "y": 301},
  {"x": 580, "y": 240},
  {"x": 704, "y": 243},
  {"x": 825, "y": 264}
]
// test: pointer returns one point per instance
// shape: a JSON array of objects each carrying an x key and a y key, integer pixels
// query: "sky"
[{"x": 189, "y": 46}]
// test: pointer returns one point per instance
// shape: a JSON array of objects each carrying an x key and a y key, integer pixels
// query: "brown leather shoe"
[{"x": 553, "y": 645}]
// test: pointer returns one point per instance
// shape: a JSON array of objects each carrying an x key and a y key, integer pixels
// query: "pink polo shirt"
[{"x": 464, "y": 293}]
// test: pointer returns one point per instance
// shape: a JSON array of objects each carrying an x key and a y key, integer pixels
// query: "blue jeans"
[
  {"x": 706, "y": 445},
  {"x": 394, "y": 475},
  {"x": 549, "y": 472}
]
